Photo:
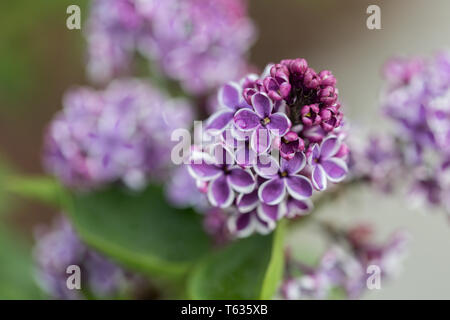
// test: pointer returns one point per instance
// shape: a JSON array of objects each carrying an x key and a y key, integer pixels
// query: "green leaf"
[
  {"x": 140, "y": 230},
  {"x": 247, "y": 269},
  {"x": 16, "y": 271}
]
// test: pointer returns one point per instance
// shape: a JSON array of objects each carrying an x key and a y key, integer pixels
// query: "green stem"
[{"x": 40, "y": 188}]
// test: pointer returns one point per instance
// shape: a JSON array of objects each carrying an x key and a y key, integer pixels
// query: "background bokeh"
[{"x": 40, "y": 59}]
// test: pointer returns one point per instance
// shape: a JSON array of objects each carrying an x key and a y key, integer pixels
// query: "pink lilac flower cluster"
[
  {"x": 201, "y": 43},
  {"x": 417, "y": 98},
  {"x": 274, "y": 139},
  {"x": 59, "y": 247},
  {"x": 121, "y": 133},
  {"x": 346, "y": 265}
]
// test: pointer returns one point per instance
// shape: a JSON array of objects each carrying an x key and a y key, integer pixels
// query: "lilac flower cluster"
[
  {"x": 122, "y": 133},
  {"x": 346, "y": 265},
  {"x": 59, "y": 247},
  {"x": 201, "y": 43},
  {"x": 276, "y": 138},
  {"x": 417, "y": 98}
]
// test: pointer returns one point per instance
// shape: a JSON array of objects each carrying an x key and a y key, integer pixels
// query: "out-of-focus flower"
[
  {"x": 416, "y": 98},
  {"x": 376, "y": 159},
  {"x": 182, "y": 190},
  {"x": 223, "y": 176},
  {"x": 259, "y": 119},
  {"x": 201, "y": 43},
  {"x": 345, "y": 265},
  {"x": 122, "y": 133},
  {"x": 58, "y": 248}
]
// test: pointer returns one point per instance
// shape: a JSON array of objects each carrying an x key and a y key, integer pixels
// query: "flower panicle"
[{"x": 268, "y": 154}]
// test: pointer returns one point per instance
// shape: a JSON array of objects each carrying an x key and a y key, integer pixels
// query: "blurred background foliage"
[{"x": 39, "y": 59}]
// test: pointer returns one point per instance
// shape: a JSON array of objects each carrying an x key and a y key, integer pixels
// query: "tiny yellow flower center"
[
  {"x": 266, "y": 120},
  {"x": 284, "y": 174}
]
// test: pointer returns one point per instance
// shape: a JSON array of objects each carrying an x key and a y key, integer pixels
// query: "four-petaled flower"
[
  {"x": 244, "y": 224},
  {"x": 282, "y": 177},
  {"x": 231, "y": 100},
  {"x": 325, "y": 163},
  {"x": 222, "y": 174},
  {"x": 262, "y": 122}
]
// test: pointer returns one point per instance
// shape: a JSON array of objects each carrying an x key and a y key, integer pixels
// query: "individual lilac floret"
[
  {"x": 60, "y": 247},
  {"x": 223, "y": 176},
  {"x": 282, "y": 177},
  {"x": 242, "y": 225},
  {"x": 201, "y": 44},
  {"x": 325, "y": 163},
  {"x": 262, "y": 122},
  {"x": 122, "y": 133},
  {"x": 230, "y": 101}
]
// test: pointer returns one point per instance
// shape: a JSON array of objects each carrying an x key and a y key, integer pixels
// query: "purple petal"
[
  {"x": 220, "y": 193},
  {"x": 296, "y": 208},
  {"x": 219, "y": 121},
  {"x": 222, "y": 155},
  {"x": 335, "y": 169},
  {"x": 202, "y": 167},
  {"x": 229, "y": 139},
  {"x": 264, "y": 227},
  {"x": 293, "y": 165},
  {"x": 239, "y": 134},
  {"x": 262, "y": 104},
  {"x": 229, "y": 95},
  {"x": 314, "y": 155},
  {"x": 266, "y": 166},
  {"x": 271, "y": 213},
  {"x": 329, "y": 147},
  {"x": 260, "y": 140},
  {"x": 242, "y": 224},
  {"x": 245, "y": 157},
  {"x": 299, "y": 187},
  {"x": 279, "y": 124},
  {"x": 319, "y": 178},
  {"x": 241, "y": 180},
  {"x": 272, "y": 192},
  {"x": 246, "y": 120},
  {"x": 247, "y": 202}
]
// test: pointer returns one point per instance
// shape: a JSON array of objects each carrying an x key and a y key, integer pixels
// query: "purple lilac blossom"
[
  {"x": 122, "y": 133},
  {"x": 59, "y": 247},
  {"x": 277, "y": 153},
  {"x": 416, "y": 98},
  {"x": 344, "y": 265},
  {"x": 200, "y": 43}
]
